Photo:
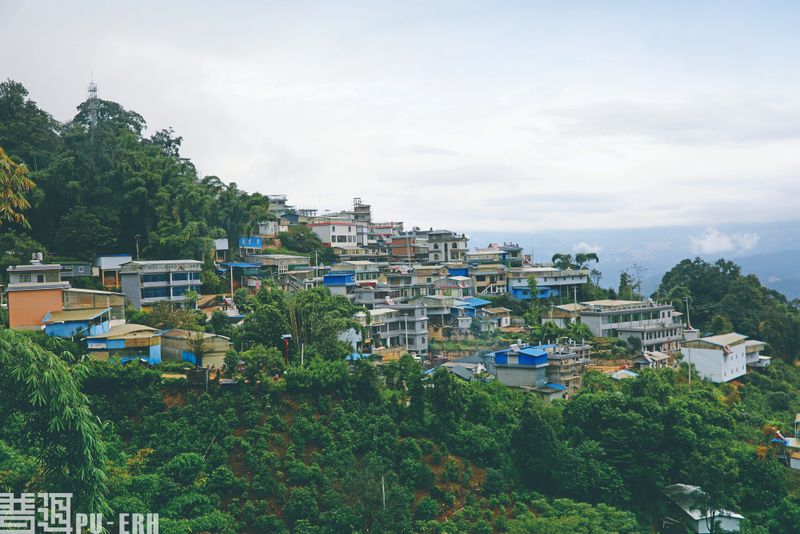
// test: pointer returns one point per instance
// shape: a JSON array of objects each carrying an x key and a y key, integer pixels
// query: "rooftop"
[
  {"x": 85, "y": 314},
  {"x": 724, "y": 339},
  {"x": 126, "y": 329},
  {"x": 34, "y": 267},
  {"x": 686, "y": 497}
]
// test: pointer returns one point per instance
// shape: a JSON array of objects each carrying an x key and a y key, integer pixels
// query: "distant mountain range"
[
  {"x": 777, "y": 270},
  {"x": 771, "y": 251}
]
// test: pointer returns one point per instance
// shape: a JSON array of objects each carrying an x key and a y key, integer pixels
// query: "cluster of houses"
[
  {"x": 39, "y": 297},
  {"x": 412, "y": 285}
]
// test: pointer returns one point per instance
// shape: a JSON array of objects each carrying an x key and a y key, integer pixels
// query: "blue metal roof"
[
  {"x": 475, "y": 302},
  {"x": 532, "y": 351},
  {"x": 555, "y": 386},
  {"x": 241, "y": 264}
]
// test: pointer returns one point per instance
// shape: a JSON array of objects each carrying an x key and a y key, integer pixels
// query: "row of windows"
[
  {"x": 25, "y": 278},
  {"x": 165, "y": 277},
  {"x": 343, "y": 239},
  {"x": 631, "y": 317},
  {"x": 164, "y": 292},
  {"x": 436, "y": 246}
]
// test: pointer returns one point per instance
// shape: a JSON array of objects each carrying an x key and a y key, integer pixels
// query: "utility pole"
[
  {"x": 231, "y": 277},
  {"x": 383, "y": 492},
  {"x": 688, "y": 324},
  {"x": 405, "y": 320},
  {"x": 137, "y": 237}
]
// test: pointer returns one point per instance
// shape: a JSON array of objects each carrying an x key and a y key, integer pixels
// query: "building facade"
[
  {"x": 145, "y": 283},
  {"x": 657, "y": 326}
]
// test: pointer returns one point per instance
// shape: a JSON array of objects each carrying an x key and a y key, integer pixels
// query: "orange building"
[{"x": 33, "y": 291}]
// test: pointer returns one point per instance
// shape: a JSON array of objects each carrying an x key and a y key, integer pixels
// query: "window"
[
  {"x": 436, "y": 246},
  {"x": 180, "y": 276},
  {"x": 146, "y": 278},
  {"x": 24, "y": 278},
  {"x": 455, "y": 245},
  {"x": 155, "y": 292}
]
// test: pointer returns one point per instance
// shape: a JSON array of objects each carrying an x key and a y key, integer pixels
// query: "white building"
[
  {"x": 686, "y": 500},
  {"x": 145, "y": 283},
  {"x": 719, "y": 358},
  {"x": 336, "y": 233},
  {"x": 658, "y": 326}
]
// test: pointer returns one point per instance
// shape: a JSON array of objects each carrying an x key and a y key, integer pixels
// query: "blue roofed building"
[
  {"x": 126, "y": 342},
  {"x": 339, "y": 282},
  {"x": 78, "y": 322},
  {"x": 526, "y": 367}
]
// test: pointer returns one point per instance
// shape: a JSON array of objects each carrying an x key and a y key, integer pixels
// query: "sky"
[{"x": 474, "y": 116}]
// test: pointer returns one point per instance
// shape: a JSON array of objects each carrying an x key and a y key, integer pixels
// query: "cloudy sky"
[{"x": 471, "y": 115}]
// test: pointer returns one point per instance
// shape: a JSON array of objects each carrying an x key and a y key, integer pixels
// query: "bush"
[{"x": 427, "y": 508}]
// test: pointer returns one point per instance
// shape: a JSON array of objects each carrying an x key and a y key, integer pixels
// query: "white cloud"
[
  {"x": 714, "y": 242},
  {"x": 584, "y": 247}
]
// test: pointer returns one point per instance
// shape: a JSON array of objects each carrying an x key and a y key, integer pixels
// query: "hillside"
[{"x": 313, "y": 451}]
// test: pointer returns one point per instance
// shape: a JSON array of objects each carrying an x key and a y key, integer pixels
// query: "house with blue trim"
[
  {"x": 77, "y": 322},
  {"x": 526, "y": 367},
  {"x": 339, "y": 282},
  {"x": 126, "y": 342}
]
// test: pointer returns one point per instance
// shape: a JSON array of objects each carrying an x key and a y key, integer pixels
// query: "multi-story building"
[
  {"x": 550, "y": 281},
  {"x": 366, "y": 272},
  {"x": 33, "y": 291},
  {"x": 490, "y": 278},
  {"x": 279, "y": 263},
  {"x": 336, "y": 232},
  {"x": 567, "y": 364},
  {"x": 145, "y": 283},
  {"x": 407, "y": 248},
  {"x": 658, "y": 326},
  {"x": 445, "y": 246},
  {"x": 526, "y": 367},
  {"x": 398, "y": 325},
  {"x": 109, "y": 267},
  {"x": 39, "y": 299},
  {"x": 719, "y": 358}
]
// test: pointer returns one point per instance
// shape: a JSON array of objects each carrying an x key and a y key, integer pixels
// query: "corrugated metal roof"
[
  {"x": 124, "y": 330},
  {"x": 84, "y": 314},
  {"x": 474, "y": 301},
  {"x": 724, "y": 339}
]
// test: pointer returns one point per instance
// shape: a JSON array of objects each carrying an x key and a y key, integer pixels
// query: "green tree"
[{"x": 14, "y": 188}]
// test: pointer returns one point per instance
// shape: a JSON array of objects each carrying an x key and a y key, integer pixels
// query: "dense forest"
[
  {"x": 314, "y": 450},
  {"x": 101, "y": 184}
]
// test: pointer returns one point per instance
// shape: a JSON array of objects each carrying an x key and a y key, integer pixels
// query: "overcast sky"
[{"x": 469, "y": 115}]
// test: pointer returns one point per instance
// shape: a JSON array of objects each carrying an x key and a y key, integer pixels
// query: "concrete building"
[
  {"x": 753, "y": 356},
  {"x": 145, "y": 283},
  {"x": 657, "y": 326},
  {"x": 489, "y": 279},
  {"x": 567, "y": 364},
  {"x": 109, "y": 267},
  {"x": 398, "y": 325},
  {"x": 445, "y": 246},
  {"x": 366, "y": 272},
  {"x": 550, "y": 281},
  {"x": 339, "y": 282},
  {"x": 720, "y": 358},
  {"x": 336, "y": 232},
  {"x": 33, "y": 291},
  {"x": 39, "y": 299},
  {"x": 526, "y": 367},
  {"x": 279, "y": 263}
]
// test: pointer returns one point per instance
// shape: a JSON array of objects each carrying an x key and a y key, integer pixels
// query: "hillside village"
[
  {"x": 239, "y": 364},
  {"x": 415, "y": 290}
]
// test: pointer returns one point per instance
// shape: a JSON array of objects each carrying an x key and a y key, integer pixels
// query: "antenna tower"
[{"x": 93, "y": 103}]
